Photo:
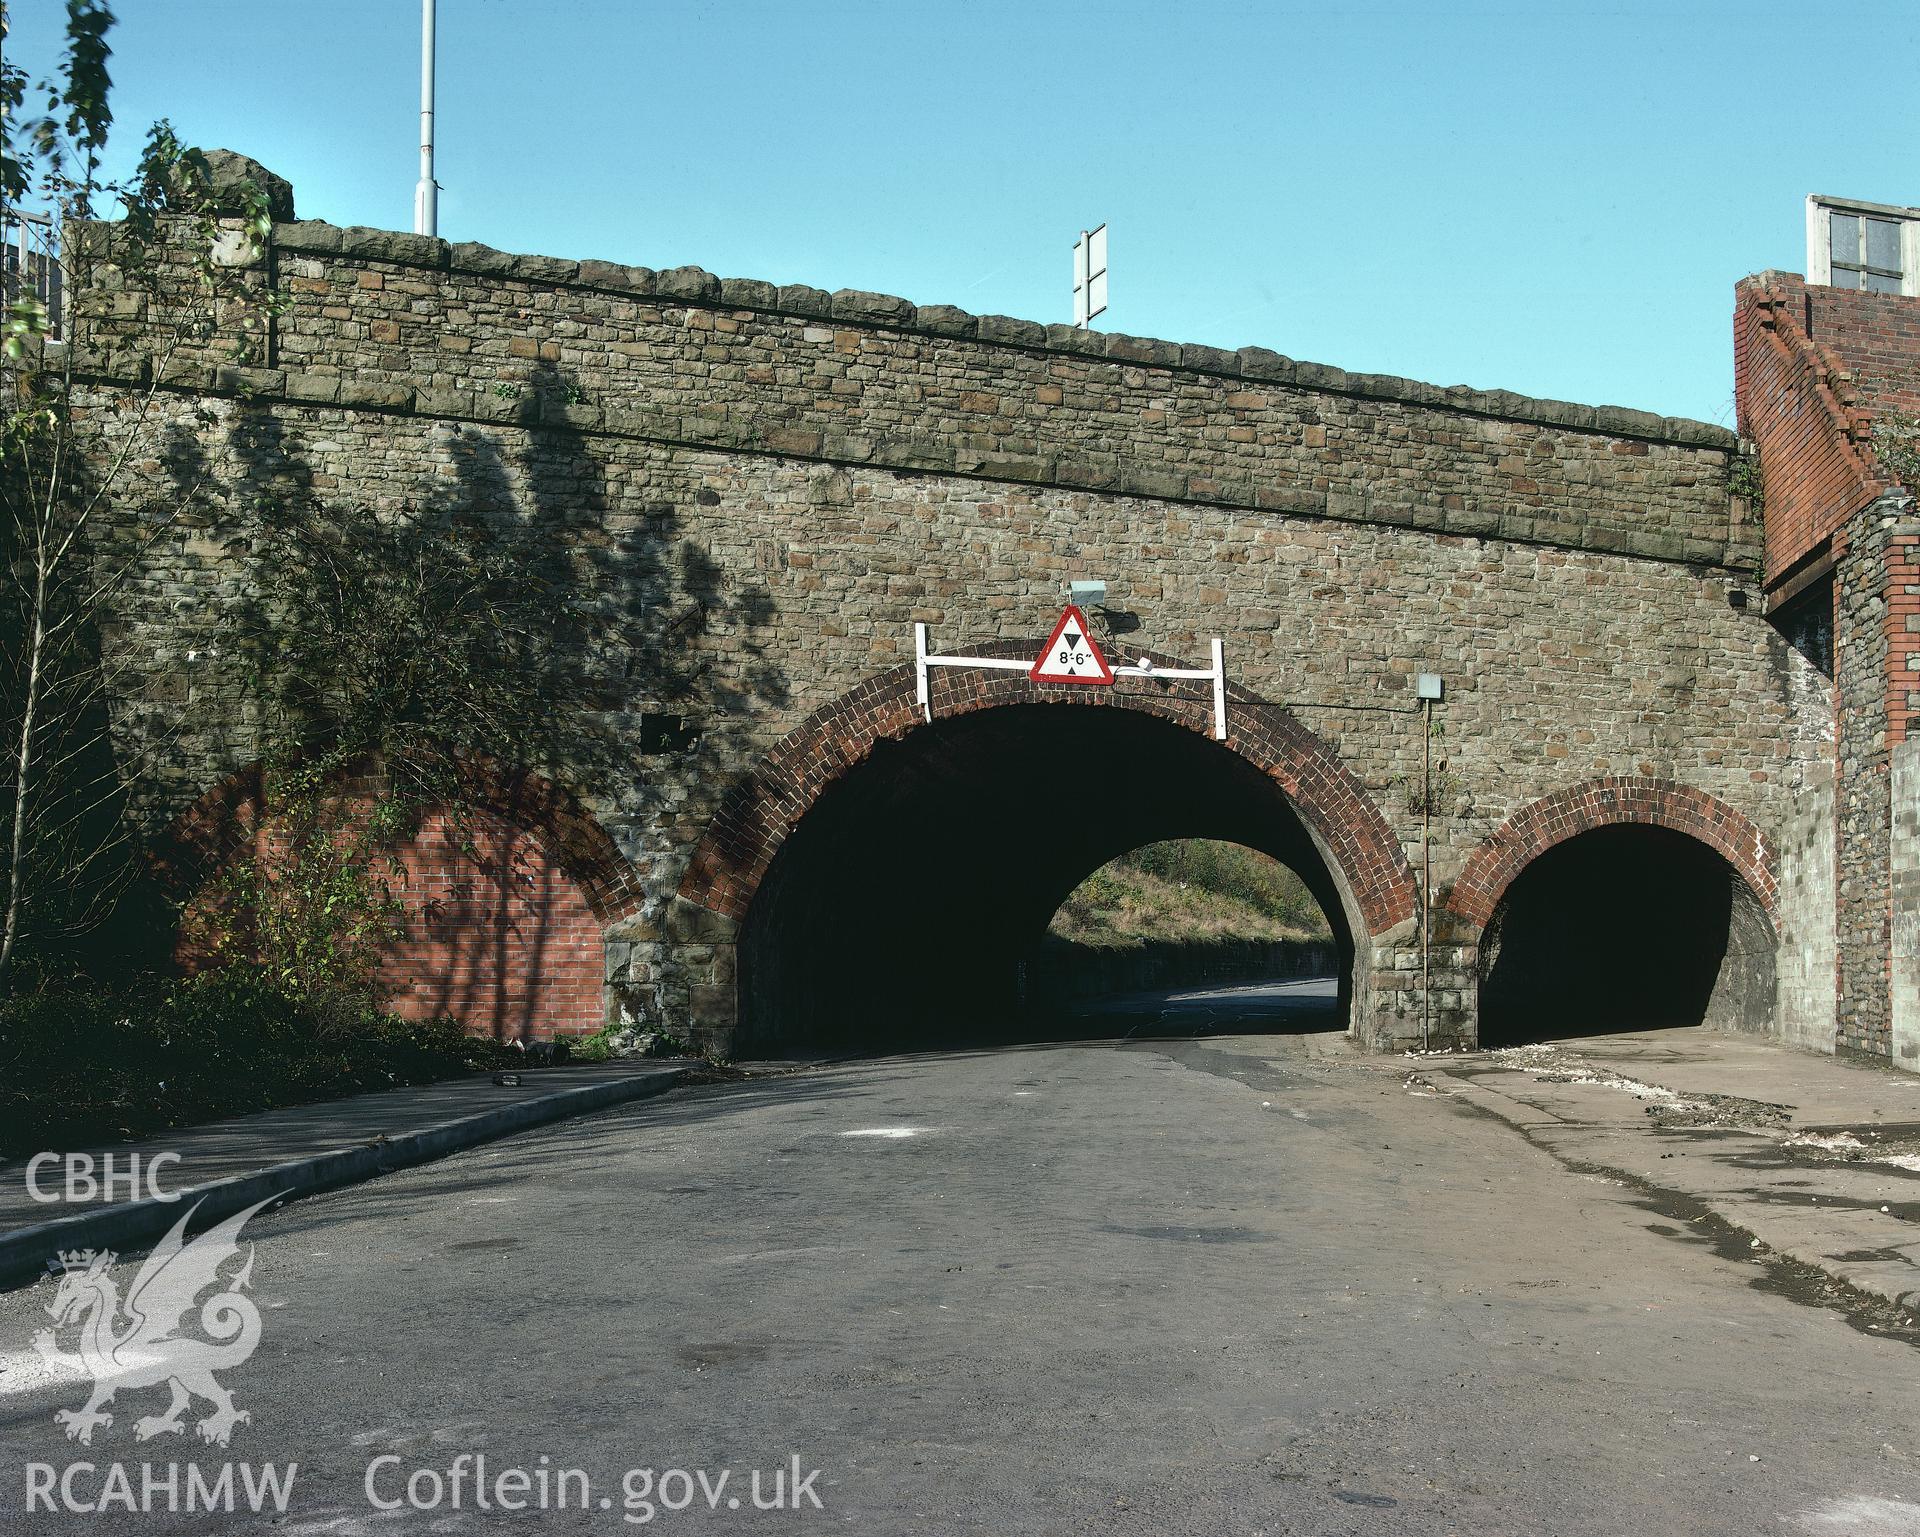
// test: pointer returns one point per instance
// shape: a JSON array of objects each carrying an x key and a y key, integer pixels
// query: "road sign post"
[{"x": 1089, "y": 275}]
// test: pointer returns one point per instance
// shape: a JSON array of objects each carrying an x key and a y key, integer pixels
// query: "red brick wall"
[
  {"x": 504, "y": 912},
  {"x": 1875, "y": 338},
  {"x": 1903, "y": 636},
  {"x": 497, "y": 934},
  {"x": 1800, "y": 401},
  {"x": 1816, "y": 368}
]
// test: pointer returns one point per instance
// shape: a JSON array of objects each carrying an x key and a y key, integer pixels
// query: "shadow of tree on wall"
[
  {"x": 106, "y": 723},
  {"x": 510, "y": 613}
]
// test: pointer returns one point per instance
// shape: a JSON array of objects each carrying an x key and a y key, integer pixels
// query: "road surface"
[{"x": 1224, "y": 1284}]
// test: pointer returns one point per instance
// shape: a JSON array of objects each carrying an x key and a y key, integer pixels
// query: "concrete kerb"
[{"x": 24, "y": 1252}]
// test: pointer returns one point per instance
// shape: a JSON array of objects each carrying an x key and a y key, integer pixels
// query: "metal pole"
[
  {"x": 1426, "y": 879},
  {"x": 426, "y": 195},
  {"x": 922, "y": 691},
  {"x": 1219, "y": 690}
]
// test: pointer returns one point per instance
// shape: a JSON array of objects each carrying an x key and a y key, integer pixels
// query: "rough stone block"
[
  {"x": 687, "y": 283},
  {"x": 882, "y": 309},
  {"x": 749, "y": 293},
  {"x": 1008, "y": 331},
  {"x": 945, "y": 320},
  {"x": 234, "y": 176},
  {"x": 798, "y": 299}
]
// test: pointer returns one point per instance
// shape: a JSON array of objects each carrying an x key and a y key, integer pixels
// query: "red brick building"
[{"x": 1827, "y": 379}]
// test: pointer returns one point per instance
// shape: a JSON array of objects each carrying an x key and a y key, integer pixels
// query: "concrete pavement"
[
  {"x": 227, "y": 1165},
  {"x": 1804, "y": 1160}
]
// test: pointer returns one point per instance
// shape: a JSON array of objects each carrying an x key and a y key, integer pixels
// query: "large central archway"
[{"x": 888, "y": 873}]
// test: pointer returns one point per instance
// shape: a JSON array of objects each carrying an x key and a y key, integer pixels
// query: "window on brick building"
[
  {"x": 1864, "y": 252},
  {"x": 1873, "y": 247}
]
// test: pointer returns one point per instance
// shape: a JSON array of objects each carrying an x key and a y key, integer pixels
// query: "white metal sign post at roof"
[
  {"x": 924, "y": 661},
  {"x": 1089, "y": 276}
]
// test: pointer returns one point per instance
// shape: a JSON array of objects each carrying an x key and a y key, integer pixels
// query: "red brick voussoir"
[
  {"x": 761, "y": 810},
  {"x": 1607, "y": 802}
]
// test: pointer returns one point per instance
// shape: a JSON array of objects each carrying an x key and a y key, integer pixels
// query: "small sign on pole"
[
  {"x": 1070, "y": 655},
  {"x": 1089, "y": 275}
]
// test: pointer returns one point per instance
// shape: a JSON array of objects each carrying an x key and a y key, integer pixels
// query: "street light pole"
[{"x": 426, "y": 195}]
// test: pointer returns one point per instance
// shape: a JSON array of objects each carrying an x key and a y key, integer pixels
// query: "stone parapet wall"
[{"x": 408, "y": 324}]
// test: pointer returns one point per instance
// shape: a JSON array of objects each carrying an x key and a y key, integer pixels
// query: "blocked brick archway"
[
  {"x": 1366, "y": 884},
  {"x": 504, "y": 908},
  {"x": 1621, "y": 903}
]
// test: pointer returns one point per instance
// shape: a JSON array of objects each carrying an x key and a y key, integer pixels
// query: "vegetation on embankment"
[
  {"x": 1184, "y": 914},
  {"x": 1192, "y": 891}
]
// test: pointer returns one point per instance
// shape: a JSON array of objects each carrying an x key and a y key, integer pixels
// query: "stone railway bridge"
[{"x": 1620, "y": 809}]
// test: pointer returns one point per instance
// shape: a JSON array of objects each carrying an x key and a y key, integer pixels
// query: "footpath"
[
  {"x": 226, "y": 1166},
  {"x": 1805, "y": 1165}
]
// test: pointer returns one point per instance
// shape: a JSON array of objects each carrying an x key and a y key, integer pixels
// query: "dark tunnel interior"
[
  {"x": 896, "y": 913},
  {"x": 1624, "y": 928}
]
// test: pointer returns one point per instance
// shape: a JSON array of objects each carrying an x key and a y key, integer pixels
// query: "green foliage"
[
  {"x": 1229, "y": 870},
  {"x": 85, "y": 1066},
  {"x": 1743, "y": 479},
  {"x": 85, "y": 98},
  {"x": 317, "y": 912},
  {"x": 1190, "y": 889},
  {"x": 136, "y": 292}
]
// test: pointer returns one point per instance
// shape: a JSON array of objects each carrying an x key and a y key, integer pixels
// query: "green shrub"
[{"x": 87, "y": 1065}]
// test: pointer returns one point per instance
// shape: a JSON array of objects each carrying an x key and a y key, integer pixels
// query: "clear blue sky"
[{"x": 1555, "y": 199}]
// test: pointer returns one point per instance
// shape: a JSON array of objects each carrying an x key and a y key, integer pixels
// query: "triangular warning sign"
[{"x": 1070, "y": 656}]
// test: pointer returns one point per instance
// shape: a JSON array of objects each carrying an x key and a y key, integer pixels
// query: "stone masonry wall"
[
  {"x": 1904, "y": 858},
  {"x": 764, "y": 490},
  {"x": 406, "y": 323},
  {"x": 1862, "y": 803},
  {"x": 1806, "y": 958}
]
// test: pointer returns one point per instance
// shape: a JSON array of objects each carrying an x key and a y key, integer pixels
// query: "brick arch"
[
  {"x": 505, "y": 909},
  {"x": 757, "y": 815},
  {"x": 1606, "y": 802}
]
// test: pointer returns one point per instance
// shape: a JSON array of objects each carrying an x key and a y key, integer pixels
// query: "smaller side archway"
[
  {"x": 1623, "y": 903},
  {"x": 503, "y": 908}
]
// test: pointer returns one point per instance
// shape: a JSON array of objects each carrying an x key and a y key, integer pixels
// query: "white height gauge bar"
[{"x": 924, "y": 661}]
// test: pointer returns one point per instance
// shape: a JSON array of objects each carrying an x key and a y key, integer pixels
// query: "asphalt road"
[
  {"x": 1233, "y": 1285},
  {"x": 1299, "y": 1004}
]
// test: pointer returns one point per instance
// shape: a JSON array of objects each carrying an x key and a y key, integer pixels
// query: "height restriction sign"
[{"x": 1070, "y": 656}]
